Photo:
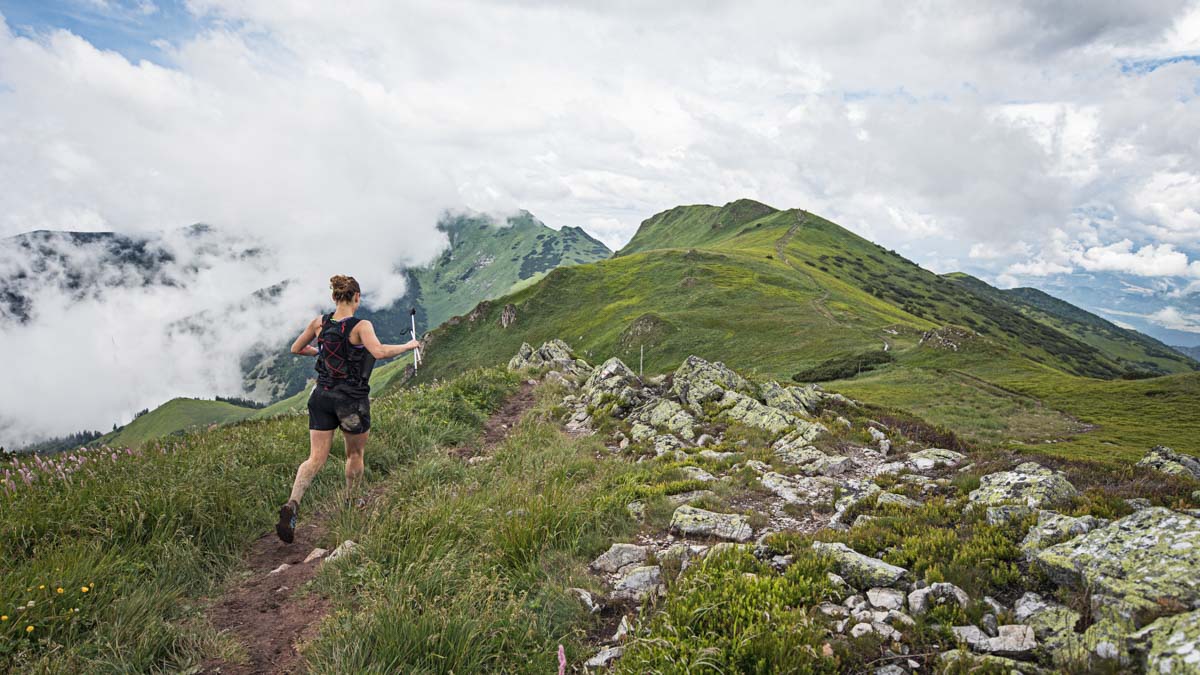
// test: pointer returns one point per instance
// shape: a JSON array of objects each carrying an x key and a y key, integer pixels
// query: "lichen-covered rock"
[
  {"x": 812, "y": 461},
  {"x": 803, "y": 434},
  {"x": 886, "y": 598},
  {"x": 1030, "y": 484},
  {"x": 1053, "y": 528},
  {"x": 699, "y": 522},
  {"x": 618, "y": 556},
  {"x": 715, "y": 456},
  {"x": 850, "y": 492},
  {"x": 696, "y": 473},
  {"x": 1171, "y": 644},
  {"x": 612, "y": 381},
  {"x": 667, "y": 414},
  {"x": 859, "y": 570},
  {"x": 1013, "y": 640},
  {"x": 798, "y": 489},
  {"x": 934, "y": 458},
  {"x": 793, "y": 400},
  {"x": 697, "y": 382},
  {"x": 1002, "y": 515},
  {"x": 748, "y": 411},
  {"x": 665, "y": 444},
  {"x": 637, "y": 583},
  {"x": 1166, "y": 460},
  {"x": 1053, "y": 624},
  {"x": 965, "y": 661},
  {"x": 553, "y": 353},
  {"x": 521, "y": 359},
  {"x": 935, "y": 595},
  {"x": 893, "y": 499},
  {"x": 640, "y": 432},
  {"x": 1146, "y": 557}
]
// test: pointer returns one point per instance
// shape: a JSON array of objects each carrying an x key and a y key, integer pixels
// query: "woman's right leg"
[{"x": 319, "y": 444}]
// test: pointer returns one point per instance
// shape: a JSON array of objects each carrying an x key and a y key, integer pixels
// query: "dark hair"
[{"x": 344, "y": 288}]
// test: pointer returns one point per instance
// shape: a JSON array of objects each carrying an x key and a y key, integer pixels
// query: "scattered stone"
[
  {"x": 890, "y": 468},
  {"x": 1166, "y": 460},
  {"x": 971, "y": 636},
  {"x": 666, "y": 444},
  {"x": 886, "y": 598},
  {"x": 586, "y": 598},
  {"x": 831, "y": 610},
  {"x": 690, "y": 496},
  {"x": 641, "y": 432},
  {"x": 705, "y": 440},
  {"x": 715, "y": 456},
  {"x": 637, "y": 583},
  {"x": 933, "y": 458},
  {"x": 935, "y": 595},
  {"x": 1139, "y": 561},
  {"x": 1013, "y": 640},
  {"x": 881, "y": 629},
  {"x": 1053, "y": 528},
  {"x": 343, "y": 549},
  {"x": 862, "y": 520},
  {"x": 990, "y": 624},
  {"x": 852, "y": 491},
  {"x": 876, "y": 435},
  {"x": 696, "y": 473},
  {"x": 993, "y": 604},
  {"x": 798, "y": 489},
  {"x": 893, "y": 499},
  {"x": 859, "y": 570},
  {"x": 623, "y": 629},
  {"x": 605, "y": 657},
  {"x": 698, "y": 522},
  {"x": 618, "y": 556},
  {"x": 812, "y": 461},
  {"x": 636, "y": 509},
  {"x": 890, "y": 669},
  {"x": 1170, "y": 644},
  {"x": 1030, "y": 484},
  {"x": 315, "y": 554},
  {"x": 279, "y": 569}
]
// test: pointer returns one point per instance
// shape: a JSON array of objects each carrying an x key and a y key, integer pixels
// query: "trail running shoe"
[{"x": 286, "y": 527}]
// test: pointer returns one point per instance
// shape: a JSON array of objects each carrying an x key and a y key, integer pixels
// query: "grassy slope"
[
  {"x": 174, "y": 416},
  {"x": 1133, "y": 349},
  {"x": 776, "y": 294}
]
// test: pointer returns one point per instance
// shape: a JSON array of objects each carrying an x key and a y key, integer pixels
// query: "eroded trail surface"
[{"x": 270, "y": 612}]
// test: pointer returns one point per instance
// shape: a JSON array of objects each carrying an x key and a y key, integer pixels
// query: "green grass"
[
  {"x": 175, "y": 416},
  {"x": 156, "y": 531}
]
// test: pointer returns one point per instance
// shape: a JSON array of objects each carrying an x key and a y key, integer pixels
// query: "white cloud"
[
  {"x": 1167, "y": 317},
  {"x": 1148, "y": 261},
  {"x": 1006, "y": 135}
]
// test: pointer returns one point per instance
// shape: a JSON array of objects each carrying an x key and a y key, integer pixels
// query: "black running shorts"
[{"x": 329, "y": 410}]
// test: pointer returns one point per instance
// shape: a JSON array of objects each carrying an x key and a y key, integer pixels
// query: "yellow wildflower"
[
  {"x": 59, "y": 590},
  {"x": 4, "y": 617},
  {"x": 84, "y": 589},
  {"x": 28, "y": 629},
  {"x": 42, "y": 587}
]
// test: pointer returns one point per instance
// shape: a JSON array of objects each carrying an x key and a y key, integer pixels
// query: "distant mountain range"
[{"x": 1193, "y": 352}]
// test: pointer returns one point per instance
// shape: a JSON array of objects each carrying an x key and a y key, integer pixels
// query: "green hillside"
[
  {"x": 776, "y": 294},
  {"x": 484, "y": 259},
  {"x": 174, "y": 416},
  {"x": 1135, "y": 351}
]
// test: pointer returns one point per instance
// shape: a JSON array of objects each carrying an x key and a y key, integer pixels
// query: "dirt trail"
[
  {"x": 781, "y": 250},
  {"x": 270, "y": 614}
]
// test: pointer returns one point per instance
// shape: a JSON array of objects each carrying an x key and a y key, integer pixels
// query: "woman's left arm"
[{"x": 303, "y": 344}]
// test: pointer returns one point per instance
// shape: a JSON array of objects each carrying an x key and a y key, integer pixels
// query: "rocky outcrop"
[
  {"x": 1052, "y": 528},
  {"x": 508, "y": 316},
  {"x": 667, "y": 414},
  {"x": 738, "y": 407},
  {"x": 859, "y": 570},
  {"x": 935, "y": 595},
  {"x": 554, "y": 354},
  {"x": 637, "y": 583},
  {"x": 1030, "y": 484},
  {"x": 795, "y": 400},
  {"x": 618, "y": 556},
  {"x": 934, "y": 458},
  {"x": 698, "y": 522},
  {"x": 1136, "y": 562},
  {"x": 1166, "y": 460},
  {"x": 1170, "y": 644},
  {"x": 697, "y": 382}
]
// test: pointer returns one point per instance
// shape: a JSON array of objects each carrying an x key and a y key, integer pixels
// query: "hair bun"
[{"x": 344, "y": 288}]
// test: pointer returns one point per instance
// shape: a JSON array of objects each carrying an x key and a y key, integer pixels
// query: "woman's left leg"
[{"x": 355, "y": 445}]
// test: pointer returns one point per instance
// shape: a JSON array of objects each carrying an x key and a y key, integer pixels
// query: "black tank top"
[{"x": 342, "y": 367}]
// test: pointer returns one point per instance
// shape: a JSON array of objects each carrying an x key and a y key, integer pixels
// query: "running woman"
[{"x": 346, "y": 351}]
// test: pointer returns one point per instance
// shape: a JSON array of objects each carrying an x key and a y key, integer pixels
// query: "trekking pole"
[{"x": 416, "y": 352}]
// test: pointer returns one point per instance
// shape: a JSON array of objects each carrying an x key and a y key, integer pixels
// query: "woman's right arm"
[
  {"x": 366, "y": 334},
  {"x": 303, "y": 344}
]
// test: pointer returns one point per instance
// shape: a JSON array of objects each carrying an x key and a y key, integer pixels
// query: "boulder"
[
  {"x": 698, "y": 522},
  {"x": 859, "y": 570},
  {"x": 1013, "y": 640},
  {"x": 637, "y": 583},
  {"x": 935, "y": 595},
  {"x": 1052, "y": 623},
  {"x": 1002, "y": 515},
  {"x": 586, "y": 598},
  {"x": 886, "y": 598},
  {"x": 803, "y": 433},
  {"x": 1149, "y": 556},
  {"x": 1030, "y": 484},
  {"x": 933, "y": 458},
  {"x": 667, "y": 414},
  {"x": 697, "y": 382},
  {"x": 618, "y": 556},
  {"x": 1171, "y": 644},
  {"x": 893, "y": 499},
  {"x": 640, "y": 432},
  {"x": 798, "y": 489},
  {"x": 1166, "y": 460},
  {"x": 740, "y": 408},
  {"x": 852, "y": 491},
  {"x": 792, "y": 400},
  {"x": 612, "y": 381},
  {"x": 696, "y": 473},
  {"x": 666, "y": 444},
  {"x": 1053, "y": 528}
]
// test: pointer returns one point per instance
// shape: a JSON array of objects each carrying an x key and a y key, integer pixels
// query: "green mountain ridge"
[{"x": 773, "y": 293}]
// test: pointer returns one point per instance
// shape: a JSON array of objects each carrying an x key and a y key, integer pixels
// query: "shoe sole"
[{"x": 285, "y": 528}]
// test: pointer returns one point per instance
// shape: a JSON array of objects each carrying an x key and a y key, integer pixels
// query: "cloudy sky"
[{"x": 1037, "y": 142}]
